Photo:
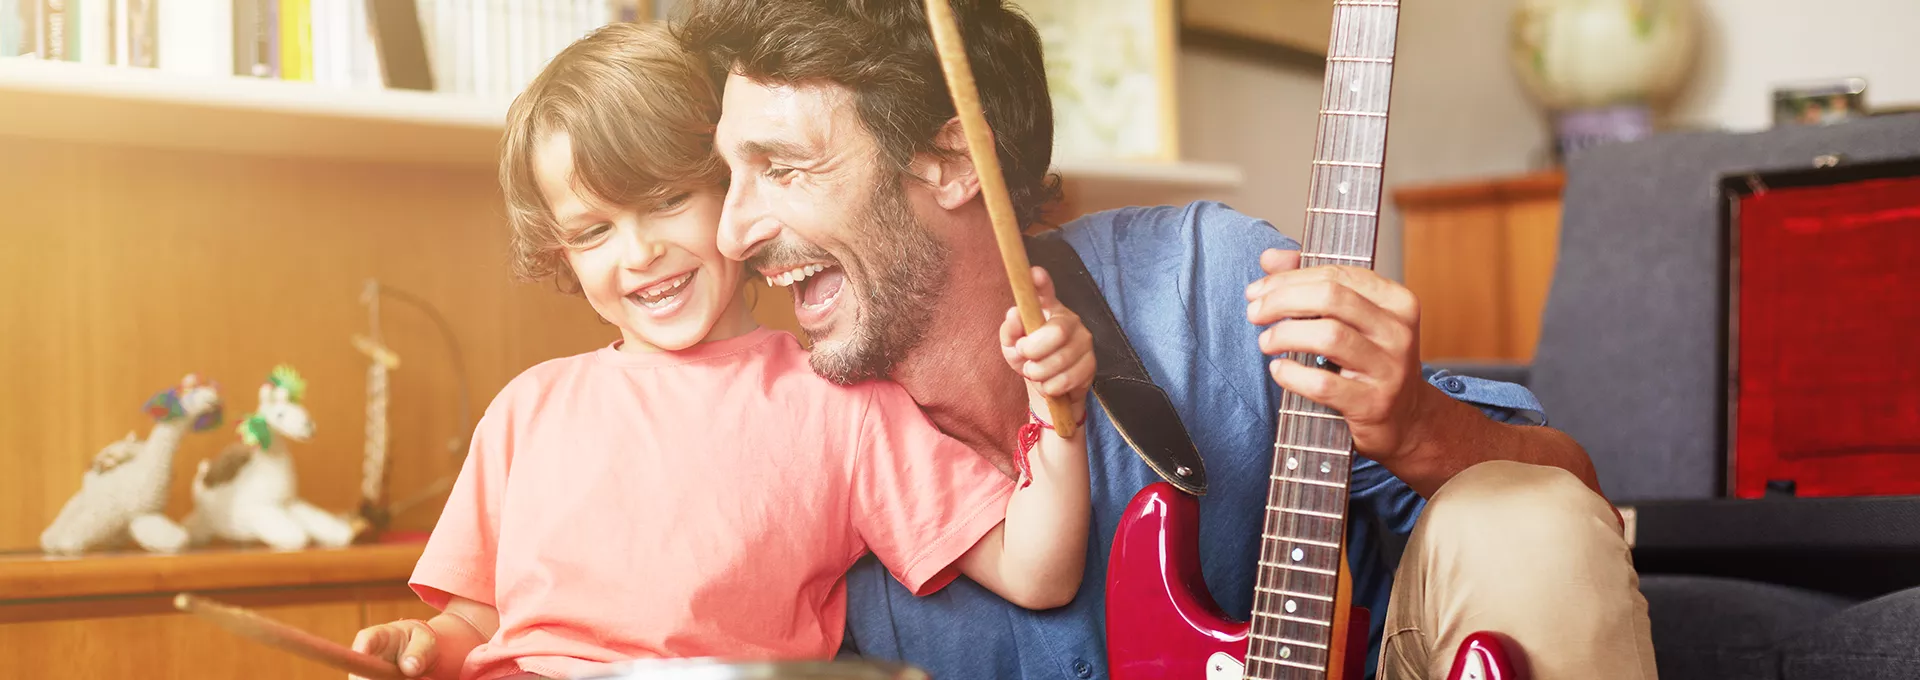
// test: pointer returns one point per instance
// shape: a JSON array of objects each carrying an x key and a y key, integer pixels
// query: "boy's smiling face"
[{"x": 656, "y": 272}]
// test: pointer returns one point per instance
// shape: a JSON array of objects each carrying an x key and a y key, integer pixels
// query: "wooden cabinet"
[
  {"x": 110, "y": 617},
  {"x": 1480, "y": 256}
]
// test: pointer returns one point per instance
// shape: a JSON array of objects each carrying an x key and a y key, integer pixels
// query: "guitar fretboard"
[{"x": 1295, "y": 586}]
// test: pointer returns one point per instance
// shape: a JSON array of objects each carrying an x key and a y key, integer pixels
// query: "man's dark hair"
[{"x": 882, "y": 51}]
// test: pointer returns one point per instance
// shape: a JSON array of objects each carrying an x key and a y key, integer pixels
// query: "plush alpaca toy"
[
  {"x": 247, "y": 493},
  {"x": 122, "y": 494}
]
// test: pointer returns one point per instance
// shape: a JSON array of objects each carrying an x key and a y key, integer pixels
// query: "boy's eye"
[
  {"x": 673, "y": 202},
  {"x": 589, "y": 236}
]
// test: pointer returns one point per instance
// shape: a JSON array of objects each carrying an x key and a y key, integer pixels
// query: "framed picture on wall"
[
  {"x": 1110, "y": 67},
  {"x": 1285, "y": 28},
  {"x": 1820, "y": 103}
]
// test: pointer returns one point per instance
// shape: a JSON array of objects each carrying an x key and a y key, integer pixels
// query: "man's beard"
[{"x": 901, "y": 266}]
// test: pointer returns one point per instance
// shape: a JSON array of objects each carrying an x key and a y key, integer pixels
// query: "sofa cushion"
[
  {"x": 1707, "y": 628},
  {"x": 1875, "y": 640}
]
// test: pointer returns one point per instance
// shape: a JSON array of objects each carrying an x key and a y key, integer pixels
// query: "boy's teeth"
[
  {"x": 657, "y": 294},
  {"x": 663, "y": 286}
]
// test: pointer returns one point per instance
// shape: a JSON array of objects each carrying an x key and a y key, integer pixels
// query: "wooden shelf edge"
[
  {"x": 155, "y": 86},
  {"x": 36, "y": 577},
  {"x": 1539, "y": 185},
  {"x": 140, "y": 107}
]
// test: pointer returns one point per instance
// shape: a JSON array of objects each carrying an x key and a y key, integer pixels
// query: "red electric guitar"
[{"x": 1161, "y": 623}]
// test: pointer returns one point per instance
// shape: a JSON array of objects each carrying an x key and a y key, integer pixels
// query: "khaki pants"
[{"x": 1527, "y": 551}]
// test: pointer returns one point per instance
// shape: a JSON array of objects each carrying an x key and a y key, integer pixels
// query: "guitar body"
[
  {"x": 1488, "y": 656},
  {"x": 1163, "y": 625},
  {"x": 1161, "y": 621}
]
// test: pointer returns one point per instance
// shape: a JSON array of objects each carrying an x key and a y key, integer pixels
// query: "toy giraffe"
[{"x": 247, "y": 493}]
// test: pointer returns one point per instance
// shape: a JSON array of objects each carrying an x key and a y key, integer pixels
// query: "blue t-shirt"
[{"x": 1175, "y": 278}]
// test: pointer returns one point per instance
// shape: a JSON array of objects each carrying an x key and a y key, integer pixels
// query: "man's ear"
[{"x": 950, "y": 174}]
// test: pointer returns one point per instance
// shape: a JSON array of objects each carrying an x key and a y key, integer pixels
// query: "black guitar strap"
[{"x": 1138, "y": 408}]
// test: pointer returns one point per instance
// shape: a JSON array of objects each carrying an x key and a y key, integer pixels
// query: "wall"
[
  {"x": 1259, "y": 117},
  {"x": 1749, "y": 46},
  {"x": 1457, "y": 113}
]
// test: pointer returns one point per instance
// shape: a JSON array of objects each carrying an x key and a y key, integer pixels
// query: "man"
[{"x": 851, "y": 184}]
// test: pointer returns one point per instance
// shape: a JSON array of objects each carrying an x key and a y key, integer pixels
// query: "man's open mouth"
[{"x": 816, "y": 286}]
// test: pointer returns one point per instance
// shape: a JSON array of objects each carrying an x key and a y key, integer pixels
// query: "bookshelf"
[{"x": 85, "y": 103}]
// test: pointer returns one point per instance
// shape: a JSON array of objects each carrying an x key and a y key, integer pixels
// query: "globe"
[{"x": 1579, "y": 54}]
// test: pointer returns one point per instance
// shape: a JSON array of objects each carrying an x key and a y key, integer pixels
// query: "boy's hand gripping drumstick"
[
  {"x": 276, "y": 634},
  {"x": 993, "y": 185}
]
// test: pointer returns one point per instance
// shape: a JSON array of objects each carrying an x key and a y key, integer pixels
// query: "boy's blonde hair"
[{"x": 640, "y": 111}]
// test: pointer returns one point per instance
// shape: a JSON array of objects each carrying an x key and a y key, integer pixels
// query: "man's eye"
[{"x": 779, "y": 174}]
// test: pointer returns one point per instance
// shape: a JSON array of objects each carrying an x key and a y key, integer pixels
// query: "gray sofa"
[{"x": 1626, "y": 363}]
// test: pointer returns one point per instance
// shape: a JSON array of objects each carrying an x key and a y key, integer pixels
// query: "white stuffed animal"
[
  {"x": 247, "y": 493},
  {"x": 122, "y": 494}
]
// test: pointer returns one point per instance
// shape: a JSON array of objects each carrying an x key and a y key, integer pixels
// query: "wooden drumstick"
[
  {"x": 993, "y": 185},
  {"x": 276, "y": 634}
]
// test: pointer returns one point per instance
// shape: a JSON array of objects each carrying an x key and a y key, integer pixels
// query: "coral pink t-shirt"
[{"x": 697, "y": 503}]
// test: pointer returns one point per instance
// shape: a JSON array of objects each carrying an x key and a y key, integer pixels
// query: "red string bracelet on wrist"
[{"x": 1029, "y": 436}]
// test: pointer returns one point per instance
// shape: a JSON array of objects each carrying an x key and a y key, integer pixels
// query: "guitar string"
[
  {"x": 1359, "y": 139},
  {"x": 1317, "y": 235},
  {"x": 1317, "y": 240},
  {"x": 1260, "y": 648},
  {"x": 1353, "y": 143}
]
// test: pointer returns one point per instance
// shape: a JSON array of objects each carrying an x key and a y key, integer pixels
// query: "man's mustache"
[{"x": 781, "y": 255}]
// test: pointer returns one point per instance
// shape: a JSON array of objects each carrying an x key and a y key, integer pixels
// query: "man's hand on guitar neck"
[{"x": 1370, "y": 327}]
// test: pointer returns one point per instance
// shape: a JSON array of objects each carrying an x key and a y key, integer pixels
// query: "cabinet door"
[
  {"x": 1453, "y": 262},
  {"x": 168, "y": 646},
  {"x": 1532, "y": 248},
  {"x": 1480, "y": 256}
]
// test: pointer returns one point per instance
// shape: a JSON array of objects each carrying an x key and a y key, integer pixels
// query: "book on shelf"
[{"x": 482, "y": 48}]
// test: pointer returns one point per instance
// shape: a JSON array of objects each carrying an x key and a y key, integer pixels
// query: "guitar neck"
[{"x": 1295, "y": 599}]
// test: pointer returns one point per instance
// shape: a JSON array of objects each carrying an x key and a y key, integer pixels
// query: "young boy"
[{"x": 695, "y": 489}]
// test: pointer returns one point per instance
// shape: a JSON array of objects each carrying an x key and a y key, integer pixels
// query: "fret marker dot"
[
  {"x": 1325, "y": 467},
  {"x": 1299, "y": 554},
  {"x": 1286, "y": 652},
  {"x": 1292, "y": 606},
  {"x": 1293, "y": 463},
  {"x": 1344, "y": 186},
  {"x": 1356, "y": 86}
]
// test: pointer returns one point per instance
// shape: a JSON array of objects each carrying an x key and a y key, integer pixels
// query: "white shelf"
[
  {"x": 1185, "y": 174},
  {"x": 150, "y": 108}
]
